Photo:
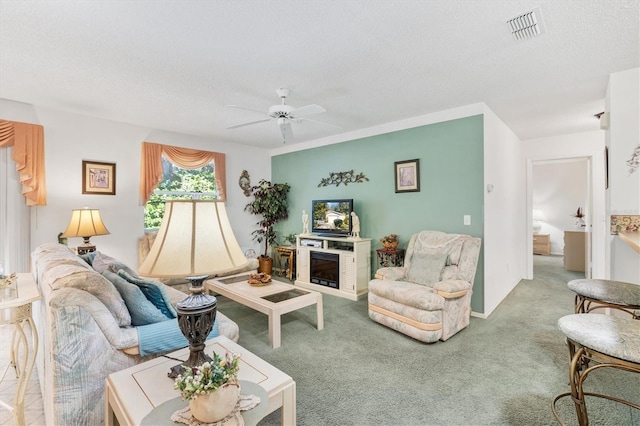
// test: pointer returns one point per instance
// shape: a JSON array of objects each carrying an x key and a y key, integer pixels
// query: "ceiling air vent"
[{"x": 527, "y": 25}]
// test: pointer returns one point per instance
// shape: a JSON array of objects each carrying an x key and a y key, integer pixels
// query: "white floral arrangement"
[
  {"x": 6, "y": 281},
  {"x": 209, "y": 376}
]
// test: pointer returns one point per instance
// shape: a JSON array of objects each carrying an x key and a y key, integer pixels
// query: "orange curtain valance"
[
  {"x": 27, "y": 141},
  {"x": 151, "y": 166}
]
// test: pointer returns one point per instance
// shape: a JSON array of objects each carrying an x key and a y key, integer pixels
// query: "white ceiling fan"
[{"x": 283, "y": 114}]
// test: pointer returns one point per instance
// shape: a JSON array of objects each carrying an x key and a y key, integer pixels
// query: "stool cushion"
[
  {"x": 616, "y": 292},
  {"x": 613, "y": 336}
]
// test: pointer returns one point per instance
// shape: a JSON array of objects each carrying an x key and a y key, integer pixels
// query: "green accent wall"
[{"x": 451, "y": 183}]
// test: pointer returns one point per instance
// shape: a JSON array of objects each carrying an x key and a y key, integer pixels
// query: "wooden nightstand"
[{"x": 542, "y": 244}]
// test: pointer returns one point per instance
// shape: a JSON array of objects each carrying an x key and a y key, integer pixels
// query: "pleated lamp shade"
[
  {"x": 195, "y": 239},
  {"x": 85, "y": 223}
]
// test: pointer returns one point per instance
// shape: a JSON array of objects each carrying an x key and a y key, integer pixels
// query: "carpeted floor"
[{"x": 504, "y": 370}]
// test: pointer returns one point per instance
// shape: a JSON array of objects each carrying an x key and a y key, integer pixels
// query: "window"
[{"x": 179, "y": 184}]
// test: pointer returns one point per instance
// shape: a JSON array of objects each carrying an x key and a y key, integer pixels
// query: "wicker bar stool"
[
  {"x": 598, "y": 341},
  {"x": 592, "y": 294}
]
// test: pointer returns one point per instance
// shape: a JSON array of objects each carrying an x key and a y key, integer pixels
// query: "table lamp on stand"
[
  {"x": 85, "y": 223},
  {"x": 195, "y": 241}
]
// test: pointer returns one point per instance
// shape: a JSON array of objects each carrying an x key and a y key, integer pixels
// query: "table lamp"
[
  {"x": 195, "y": 241},
  {"x": 85, "y": 223},
  {"x": 538, "y": 215}
]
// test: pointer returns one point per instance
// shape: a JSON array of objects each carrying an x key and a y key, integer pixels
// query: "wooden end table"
[
  {"x": 274, "y": 300},
  {"x": 131, "y": 394},
  {"x": 286, "y": 254},
  {"x": 390, "y": 257}
]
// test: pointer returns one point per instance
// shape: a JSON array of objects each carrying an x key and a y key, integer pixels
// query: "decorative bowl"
[{"x": 6, "y": 281}]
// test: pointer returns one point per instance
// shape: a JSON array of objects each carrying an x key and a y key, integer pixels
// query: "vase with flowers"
[
  {"x": 212, "y": 388},
  {"x": 579, "y": 218},
  {"x": 390, "y": 242}
]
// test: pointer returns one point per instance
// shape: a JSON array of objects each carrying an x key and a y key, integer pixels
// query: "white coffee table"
[
  {"x": 132, "y": 394},
  {"x": 273, "y": 300}
]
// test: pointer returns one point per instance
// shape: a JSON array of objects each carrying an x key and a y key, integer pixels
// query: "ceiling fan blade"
[
  {"x": 249, "y": 123},
  {"x": 320, "y": 122},
  {"x": 246, "y": 108},
  {"x": 306, "y": 110},
  {"x": 285, "y": 129}
]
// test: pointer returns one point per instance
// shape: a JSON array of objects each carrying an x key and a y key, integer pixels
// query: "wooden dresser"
[
  {"x": 542, "y": 244},
  {"x": 574, "y": 250}
]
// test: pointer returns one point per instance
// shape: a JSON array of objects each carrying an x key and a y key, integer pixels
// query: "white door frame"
[{"x": 590, "y": 212}]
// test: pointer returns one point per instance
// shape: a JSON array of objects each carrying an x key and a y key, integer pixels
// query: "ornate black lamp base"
[
  {"x": 196, "y": 315},
  {"x": 86, "y": 246}
]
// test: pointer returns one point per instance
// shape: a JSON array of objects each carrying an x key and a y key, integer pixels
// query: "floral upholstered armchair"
[{"x": 429, "y": 298}]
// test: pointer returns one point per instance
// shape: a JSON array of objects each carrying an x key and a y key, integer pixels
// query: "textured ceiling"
[{"x": 175, "y": 65}]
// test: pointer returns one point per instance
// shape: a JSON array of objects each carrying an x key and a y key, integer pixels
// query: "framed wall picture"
[
  {"x": 407, "y": 175},
  {"x": 98, "y": 178}
]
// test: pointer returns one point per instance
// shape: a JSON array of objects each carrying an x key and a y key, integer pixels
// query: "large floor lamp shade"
[
  {"x": 195, "y": 241},
  {"x": 85, "y": 223}
]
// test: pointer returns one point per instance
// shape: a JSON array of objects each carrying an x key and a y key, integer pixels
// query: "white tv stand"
[{"x": 354, "y": 268}]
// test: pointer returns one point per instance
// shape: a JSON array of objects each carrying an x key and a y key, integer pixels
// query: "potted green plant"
[
  {"x": 289, "y": 239},
  {"x": 271, "y": 202}
]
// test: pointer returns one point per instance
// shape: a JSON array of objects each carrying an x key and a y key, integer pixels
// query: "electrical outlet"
[{"x": 467, "y": 219}]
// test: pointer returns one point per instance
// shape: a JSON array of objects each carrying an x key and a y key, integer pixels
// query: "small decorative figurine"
[
  {"x": 355, "y": 225},
  {"x": 305, "y": 222}
]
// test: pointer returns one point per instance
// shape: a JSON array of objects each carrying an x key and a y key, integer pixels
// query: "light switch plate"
[{"x": 467, "y": 219}]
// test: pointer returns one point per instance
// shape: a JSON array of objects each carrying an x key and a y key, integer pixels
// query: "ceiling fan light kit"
[{"x": 283, "y": 114}]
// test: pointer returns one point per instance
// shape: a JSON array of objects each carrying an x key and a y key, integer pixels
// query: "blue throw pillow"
[
  {"x": 166, "y": 336},
  {"x": 142, "y": 311},
  {"x": 154, "y": 291},
  {"x": 102, "y": 262},
  {"x": 88, "y": 257}
]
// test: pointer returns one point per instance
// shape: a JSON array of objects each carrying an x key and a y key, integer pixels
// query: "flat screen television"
[{"x": 331, "y": 218}]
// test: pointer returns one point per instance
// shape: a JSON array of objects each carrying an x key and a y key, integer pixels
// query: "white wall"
[
  {"x": 71, "y": 138},
  {"x": 559, "y": 188},
  {"x": 586, "y": 145},
  {"x": 623, "y": 103},
  {"x": 505, "y": 242}
]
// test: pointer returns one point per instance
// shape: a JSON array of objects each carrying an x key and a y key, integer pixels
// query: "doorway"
[{"x": 560, "y": 208}]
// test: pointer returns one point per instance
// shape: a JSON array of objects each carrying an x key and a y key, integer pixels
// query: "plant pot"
[
  {"x": 214, "y": 406},
  {"x": 265, "y": 264}
]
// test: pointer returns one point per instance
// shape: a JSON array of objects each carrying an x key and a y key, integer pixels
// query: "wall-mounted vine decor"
[
  {"x": 336, "y": 178},
  {"x": 634, "y": 161}
]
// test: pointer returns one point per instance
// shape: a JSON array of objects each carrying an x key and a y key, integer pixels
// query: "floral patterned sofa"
[
  {"x": 85, "y": 332},
  {"x": 429, "y": 298}
]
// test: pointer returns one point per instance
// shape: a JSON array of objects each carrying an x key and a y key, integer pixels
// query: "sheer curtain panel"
[
  {"x": 22, "y": 184},
  {"x": 14, "y": 218}
]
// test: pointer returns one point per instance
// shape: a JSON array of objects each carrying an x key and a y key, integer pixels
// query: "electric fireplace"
[{"x": 325, "y": 269}]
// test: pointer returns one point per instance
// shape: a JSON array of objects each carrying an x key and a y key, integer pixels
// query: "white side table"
[
  {"x": 131, "y": 394},
  {"x": 17, "y": 311}
]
